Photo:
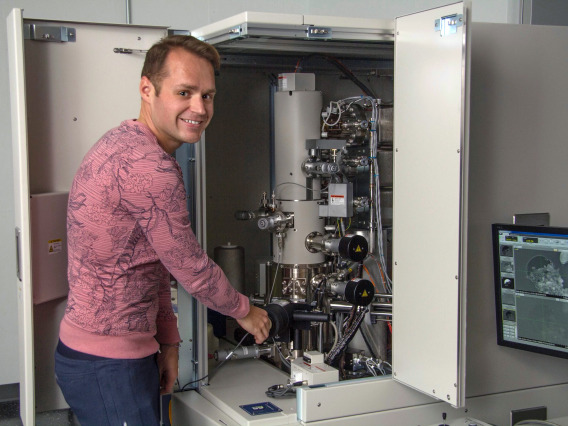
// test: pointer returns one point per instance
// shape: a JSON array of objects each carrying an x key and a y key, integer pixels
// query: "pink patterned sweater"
[{"x": 128, "y": 229}]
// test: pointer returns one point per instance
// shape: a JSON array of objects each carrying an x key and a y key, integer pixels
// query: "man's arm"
[
  {"x": 158, "y": 202},
  {"x": 168, "y": 367}
]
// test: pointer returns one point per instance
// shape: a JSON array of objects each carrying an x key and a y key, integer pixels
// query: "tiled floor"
[{"x": 10, "y": 416}]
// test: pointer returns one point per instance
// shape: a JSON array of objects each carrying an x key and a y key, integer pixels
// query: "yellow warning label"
[
  {"x": 55, "y": 246},
  {"x": 365, "y": 294},
  {"x": 358, "y": 249}
]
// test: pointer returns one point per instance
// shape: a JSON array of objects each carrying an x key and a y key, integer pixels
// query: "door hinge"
[
  {"x": 49, "y": 33},
  {"x": 448, "y": 24},
  {"x": 237, "y": 31},
  {"x": 319, "y": 32}
]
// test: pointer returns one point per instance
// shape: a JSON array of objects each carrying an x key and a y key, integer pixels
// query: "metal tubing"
[
  {"x": 127, "y": 11},
  {"x": 345, "y": 307}
]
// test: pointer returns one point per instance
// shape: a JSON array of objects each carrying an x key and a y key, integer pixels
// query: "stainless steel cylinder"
[
  {"x": 292, "y": 247},
  {"x": 243, "y": 352},
  {"x": 296, "y": 118}
]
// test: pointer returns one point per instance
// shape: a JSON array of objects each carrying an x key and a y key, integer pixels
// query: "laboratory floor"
[{"x": 10, "y": 416}]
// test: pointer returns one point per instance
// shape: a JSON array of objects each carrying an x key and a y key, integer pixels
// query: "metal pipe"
[
  {"x": 381, "y": 305},
  {"x": 345, "y": 307},
  {"x": 257, "y": 301},
  {"x": 372, "y": 224},
  {"x": 381, "y": 314},
  {"x": 243, "y": 352},
  {"x": 127, "y": 11}
]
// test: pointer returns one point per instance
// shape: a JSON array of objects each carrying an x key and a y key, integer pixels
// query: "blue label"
[{"x": 260, "y": 408}]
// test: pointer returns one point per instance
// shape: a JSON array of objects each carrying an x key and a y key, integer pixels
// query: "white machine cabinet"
[
  {"x": 70, "y": 82},
  {"x": 430, "y": 157},
  {"x": 83, "y": 83}
]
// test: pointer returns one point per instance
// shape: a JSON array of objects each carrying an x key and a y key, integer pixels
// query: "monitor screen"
[{"x": 531, "y": 287}]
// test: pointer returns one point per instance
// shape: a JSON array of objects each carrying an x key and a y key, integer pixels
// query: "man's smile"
[{"x": 191, "y": 121}]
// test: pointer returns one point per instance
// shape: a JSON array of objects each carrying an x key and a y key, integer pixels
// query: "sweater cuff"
[{"x": 243, "y": 308}]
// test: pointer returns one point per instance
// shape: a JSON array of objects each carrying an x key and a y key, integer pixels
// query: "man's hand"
[
  {"x": 256, "y": 323},
  {"x": 168, "y": 367}
]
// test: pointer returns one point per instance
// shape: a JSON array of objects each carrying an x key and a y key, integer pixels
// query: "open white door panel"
[
  {"x": 83, "y": 79},
  {"x": 429, "y": 158}
]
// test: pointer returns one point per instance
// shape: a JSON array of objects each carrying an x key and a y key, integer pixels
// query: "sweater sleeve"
[{"x": 152, "y": 191}]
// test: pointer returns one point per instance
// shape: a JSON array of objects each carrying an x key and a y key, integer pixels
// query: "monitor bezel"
[{"x": 496, "y": 227}]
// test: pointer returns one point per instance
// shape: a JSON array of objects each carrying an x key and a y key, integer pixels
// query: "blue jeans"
[{"x": 109, "y": 392}]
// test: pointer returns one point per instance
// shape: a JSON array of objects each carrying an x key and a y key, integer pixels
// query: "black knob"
[
  {"x": 280, "y": 316},
  {"x": 359, "y": 292},
  {"x": 353, "y": 247}
]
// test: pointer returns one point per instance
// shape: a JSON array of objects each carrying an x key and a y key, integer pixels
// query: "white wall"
[{"x": 178, "y": 14}]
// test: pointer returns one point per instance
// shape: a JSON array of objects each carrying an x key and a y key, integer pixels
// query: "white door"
[
  {"x": 22, "y": 214},
  {"x": 81, "y": 80},
  {"x": 430, "y": 166}
]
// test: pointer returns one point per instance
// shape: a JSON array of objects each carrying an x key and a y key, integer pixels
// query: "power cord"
[
  {"x": 283, "y": 391},
  {"x": 229, "y": 355}
]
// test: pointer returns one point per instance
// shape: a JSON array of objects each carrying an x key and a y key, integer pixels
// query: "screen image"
[{"x": 531, "y": 287}]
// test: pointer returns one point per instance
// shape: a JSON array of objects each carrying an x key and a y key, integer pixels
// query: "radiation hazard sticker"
[{"x": 55, "y": 246}]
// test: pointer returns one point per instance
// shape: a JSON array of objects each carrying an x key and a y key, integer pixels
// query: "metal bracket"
[
  {"x": 236, "y": 31},
  {"x": 178, "y": 32},
  {"x": 532, "y": 219},
  {"x": 47, "y": 33},
  {"x": 319, "y": 32},
  {"x": 448, "y": 24}
]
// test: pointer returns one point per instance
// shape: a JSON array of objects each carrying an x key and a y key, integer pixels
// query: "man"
[{"x": 128, "y": 229}]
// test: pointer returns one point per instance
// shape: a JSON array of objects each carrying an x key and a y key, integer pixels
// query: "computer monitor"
[{"x": 531, "y": 287}]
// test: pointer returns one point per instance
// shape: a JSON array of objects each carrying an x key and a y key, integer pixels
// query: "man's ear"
[{"x": 146, "y": 88}]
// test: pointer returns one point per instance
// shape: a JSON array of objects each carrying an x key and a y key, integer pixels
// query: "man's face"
[{"x": 184, "y": 107}]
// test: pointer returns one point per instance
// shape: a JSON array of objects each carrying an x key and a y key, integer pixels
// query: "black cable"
[
  {"x": 280, "y": 391},
  {"x": 333, "y": 355},
  {"x": 350, "y": 75},
  {"x": 283, "y": 391},
  {"x": 346, "y": 71},
  {"x": 217, "y": 366}
]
